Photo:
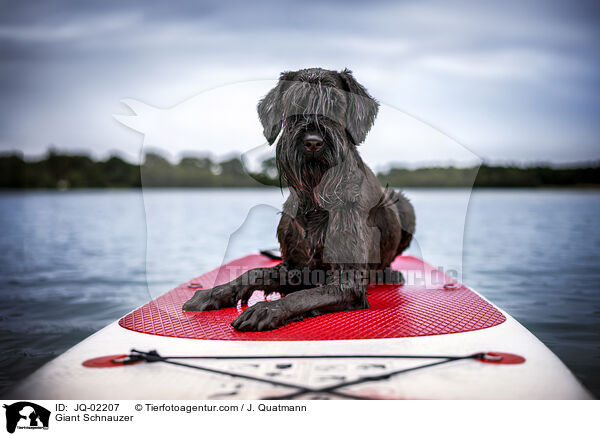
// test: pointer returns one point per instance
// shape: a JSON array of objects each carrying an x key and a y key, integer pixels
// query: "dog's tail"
[
  {"x": 406, "y": 213},
  {"x": 390, "y": 198}
]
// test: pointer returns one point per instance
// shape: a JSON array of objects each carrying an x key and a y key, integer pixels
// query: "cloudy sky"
[{"x": 512, "y": 81}]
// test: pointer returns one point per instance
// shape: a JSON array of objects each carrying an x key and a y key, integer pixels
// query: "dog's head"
[{"x": 322, "y": 116}]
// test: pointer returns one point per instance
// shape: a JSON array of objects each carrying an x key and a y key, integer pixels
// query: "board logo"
[{"x": 26, "y": 415}]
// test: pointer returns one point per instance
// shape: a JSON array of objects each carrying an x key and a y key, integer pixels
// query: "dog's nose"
[{"x": 313, "y": 142}]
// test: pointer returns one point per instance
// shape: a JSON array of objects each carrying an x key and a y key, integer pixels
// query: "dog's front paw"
[
  {"x": 209, "y": 299},
  {"x": 265, "y": 315}
]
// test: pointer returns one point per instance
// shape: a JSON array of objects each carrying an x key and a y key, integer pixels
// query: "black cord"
[
  {"x": 153, "y": 356},
  {"x": 320, "y": 356},
  {"x": 369, "y": 378}
]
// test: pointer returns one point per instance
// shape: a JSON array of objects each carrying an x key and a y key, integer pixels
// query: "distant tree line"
[
  {"x": 493, "y": 177},
  {"x": 60, "y": 170}
]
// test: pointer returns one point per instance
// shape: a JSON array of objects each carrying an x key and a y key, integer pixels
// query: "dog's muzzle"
[{"x": 312, "y": 142}]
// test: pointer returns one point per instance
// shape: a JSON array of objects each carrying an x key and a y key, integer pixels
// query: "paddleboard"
[{"x": 431, "y": 338}]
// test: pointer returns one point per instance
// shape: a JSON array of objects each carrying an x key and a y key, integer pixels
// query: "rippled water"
[{"x": 72, "y": 262}]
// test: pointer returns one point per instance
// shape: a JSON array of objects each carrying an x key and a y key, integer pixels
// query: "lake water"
[{"x": 72, "y": 262}]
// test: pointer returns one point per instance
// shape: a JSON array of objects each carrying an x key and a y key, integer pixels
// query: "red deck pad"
[{"x": 425, "y": 305}]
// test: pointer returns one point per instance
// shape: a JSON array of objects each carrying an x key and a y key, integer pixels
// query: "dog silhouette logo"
[{"x": 26, "y": 415}]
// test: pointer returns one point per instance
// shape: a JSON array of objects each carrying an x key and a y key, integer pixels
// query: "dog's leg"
[
  {"x": 241, "y": 288},
  {"x": 269, "y": 315}
]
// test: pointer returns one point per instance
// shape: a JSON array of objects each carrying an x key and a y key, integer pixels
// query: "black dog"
[{"x": 338, "y": 226}]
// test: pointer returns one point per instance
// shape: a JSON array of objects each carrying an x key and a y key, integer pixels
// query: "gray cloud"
[{"x": 513, "y": 80}]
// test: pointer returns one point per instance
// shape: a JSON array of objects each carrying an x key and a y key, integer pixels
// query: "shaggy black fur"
[{"x": 338, "y": 226}]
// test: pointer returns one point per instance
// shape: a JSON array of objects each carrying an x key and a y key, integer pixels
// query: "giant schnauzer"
[{"x": 338, "y": 226}]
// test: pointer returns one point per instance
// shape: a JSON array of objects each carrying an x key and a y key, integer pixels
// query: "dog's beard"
[{"x": 302, "y": 171}]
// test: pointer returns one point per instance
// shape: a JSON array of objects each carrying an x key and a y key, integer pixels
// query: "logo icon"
[{"x": 26, "y": 415}]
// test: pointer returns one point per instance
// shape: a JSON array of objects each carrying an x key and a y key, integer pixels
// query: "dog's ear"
[
  {"x": 270, "y": 108},
  {"x": 362, "y": 108}
]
